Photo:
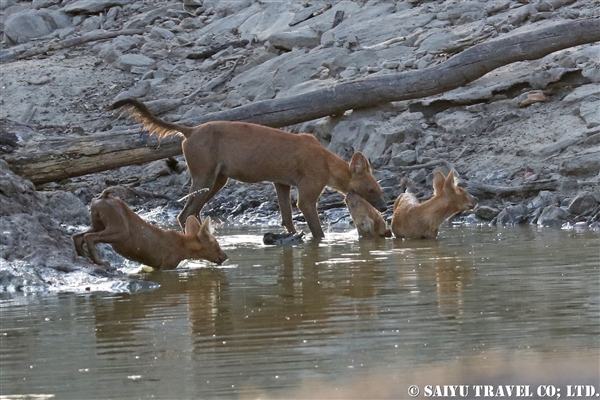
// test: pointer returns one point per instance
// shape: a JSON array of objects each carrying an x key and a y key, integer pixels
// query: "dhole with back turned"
[
  {"x": 368, "y": 221},
  {"x": 129, "y": 235},
  {"x": 219, "y": 150},
  {"x": 413, "y": 219}
]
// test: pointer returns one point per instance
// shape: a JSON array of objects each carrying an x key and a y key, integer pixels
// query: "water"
[{"x": 340, "y": 319}]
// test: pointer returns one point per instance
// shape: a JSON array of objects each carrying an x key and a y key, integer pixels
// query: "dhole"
[
  {"x": 218, "y": 150},
  {"x": 115, "y": 223},
  {"x": 415, "y": 220},
  {"x": 367, "y": 219}
]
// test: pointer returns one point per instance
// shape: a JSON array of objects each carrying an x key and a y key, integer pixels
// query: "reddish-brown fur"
[
  {"x": 115, "y": 223},
  {"x": 219, "y": 150},
  {"x": 413, "y": 220},
  {"x": 367, "y": 219}
]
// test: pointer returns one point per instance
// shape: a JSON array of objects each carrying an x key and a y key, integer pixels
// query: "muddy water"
[{"x": 343, "y": 318}]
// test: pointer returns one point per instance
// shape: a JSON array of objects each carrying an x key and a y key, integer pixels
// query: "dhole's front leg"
[
  {"x": 285, "y": 206},
  {"x": 307, "y": 203}
]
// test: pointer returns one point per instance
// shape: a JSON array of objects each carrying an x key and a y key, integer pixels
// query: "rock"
[
  {"x": 91, "y": 23},
  {"x": 461, "y": 12},
  {"x": 92, "y": 6},
  {"x": 111, "y": 17},
  {"x": 147, "y": 18},
  {"x": 356, "y": 59},
  {"x": 161, "y": 33},
  {"x": 435, "y": 42},
  {"x": 191, "y": 23},
  {"x": 512, "y": 215},
  {"x": 420, "y": 176},
  {"x": 458, "y": 122},
  {"x": 283, "y": 238},
  {"x": 126, "y": 43},
  {"x": 303, "y": 37},
  {"x": 553, "y": 216},
  {"x": 543, "y": 199},
  {"x": 66, "y": 208},
  {"x": 581, "y": 165},
  {"x": 262, "y": 22},
  {"x": 405, "y": 127},
  {"x": 349, "y": 72},
  {"x": 591, "y": 70},
  {"x": 486, "y": 213},
  {"x": 306, "y": 13},
  {"x": 592, "y": 140},
  {"x": 333, "y": 16},
  {"x": 288, "y": 71},
  {"x": 38, "y": 4},
  {"x": 376, "y": 24},
  {"x": 351, "y": 133},
  {"x": 17, "y": 195},
  {"x": 590, "y": 112},
  {"x": 406, "y": 157},
  {"x": 154, "y": 170},
  {"x": 127, "y": 62},
  {"x": 140, "y": 90},
  {"x": 225, "y": 8},
  {"x": 589, "y": 92},
  {"x": 582, "y": 203},
  {"x": 24, "y": 26}
]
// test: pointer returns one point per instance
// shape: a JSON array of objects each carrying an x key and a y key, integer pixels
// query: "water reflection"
[
  {"x": 312, "y": 319},
  {"x": 427, "y": 263}
]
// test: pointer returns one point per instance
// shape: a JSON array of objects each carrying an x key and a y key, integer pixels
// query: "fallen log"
[
  {"x": 60, "y": 159},
  {"x": 81, "y": 156},
  {"x": 457, "y": 71}
]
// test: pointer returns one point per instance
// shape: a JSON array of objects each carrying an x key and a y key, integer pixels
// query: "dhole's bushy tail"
[{"x": 153, "y": 124}]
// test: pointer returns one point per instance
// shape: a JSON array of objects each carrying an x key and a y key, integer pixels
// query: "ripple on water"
[{"x": 326, "y": 319}]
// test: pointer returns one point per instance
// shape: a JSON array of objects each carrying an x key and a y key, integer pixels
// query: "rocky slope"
[{"x": 519, "y": 129}]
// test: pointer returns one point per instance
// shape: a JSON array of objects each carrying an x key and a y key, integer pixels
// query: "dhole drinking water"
[
  {"x": 367, "y": 219},
  {"x": 115, "y": 223},
  {"x": 219, "y": 150},
  {"x": 413, "y": 220}
]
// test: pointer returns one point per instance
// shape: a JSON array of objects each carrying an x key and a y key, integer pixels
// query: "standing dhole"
[
  {"x": 368, "y": 221},
  {"x": 219, "y": 150},
  {"x": 413, "y": 220},
  {"x": 129, "y": 235}
]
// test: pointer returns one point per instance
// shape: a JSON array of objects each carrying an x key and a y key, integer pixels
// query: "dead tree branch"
[{"x": 22, "y": 53}]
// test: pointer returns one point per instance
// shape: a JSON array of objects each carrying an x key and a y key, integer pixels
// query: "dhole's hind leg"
[
  {"x": 78, "y": 239},
  {"x": 196, "y": 202},
  {"x": 78, "y": 242},
  {"x": 108, "y": 235},
  {"x": 100, "y": 233},
  {"x": 285, "y": 206}
]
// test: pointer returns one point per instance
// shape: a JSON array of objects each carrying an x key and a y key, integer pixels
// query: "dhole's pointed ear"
[
  {"x": 192, "y": 225},
  {"x": 450, "y": 183},
  {"x": 359, "y": 163},
  {"x": 206, "y": 228},
  {"x": 438, "y": 182}
]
